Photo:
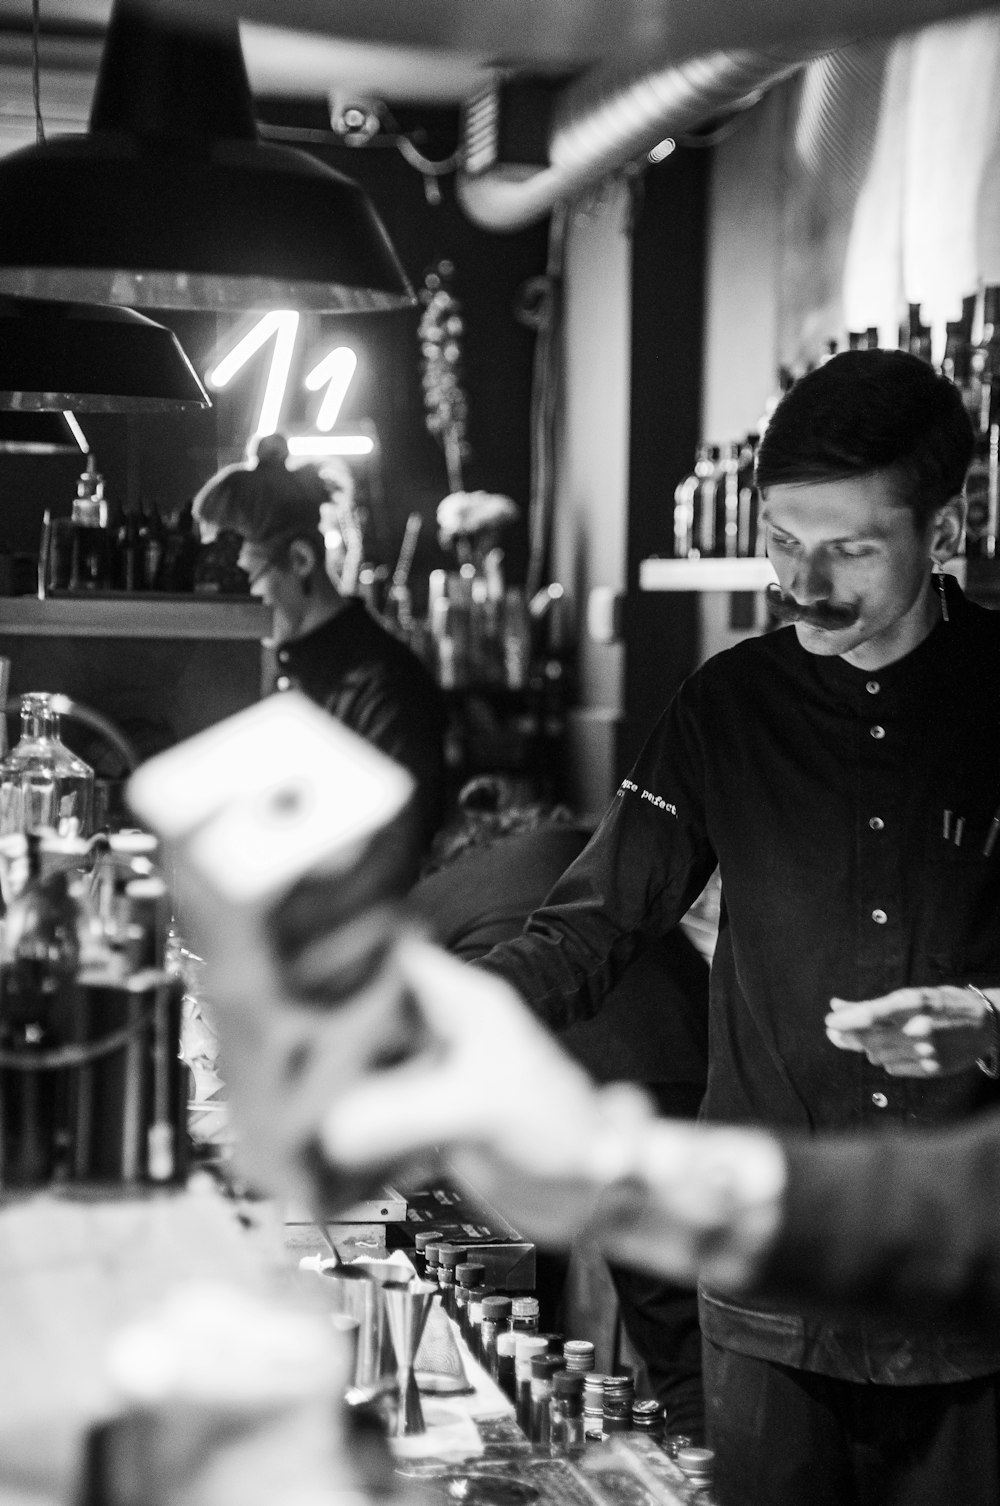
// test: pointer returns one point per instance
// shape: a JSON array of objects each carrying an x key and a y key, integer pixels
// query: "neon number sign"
[{"x": 335, "y": 372}]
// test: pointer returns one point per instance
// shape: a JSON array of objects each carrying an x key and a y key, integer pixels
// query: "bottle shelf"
[{"x": 145, "y": 615}]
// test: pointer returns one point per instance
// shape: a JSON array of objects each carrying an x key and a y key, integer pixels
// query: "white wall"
[{"x": 591, "y": 509}]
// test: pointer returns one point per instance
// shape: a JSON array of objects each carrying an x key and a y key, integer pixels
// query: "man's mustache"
[{"x": 819, "y": 614}]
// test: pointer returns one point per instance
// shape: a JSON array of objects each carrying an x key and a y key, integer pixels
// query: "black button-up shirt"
[
  {"x": 830, "y": 798},
  {"x": 375, "y": 685}
]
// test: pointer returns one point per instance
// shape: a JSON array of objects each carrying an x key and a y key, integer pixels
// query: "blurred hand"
[
  {"x": 915, "y": 1032},
  {"x": 516, "y": 1115}
]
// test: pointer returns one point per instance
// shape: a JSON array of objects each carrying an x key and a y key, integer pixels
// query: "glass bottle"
[
  {"x": 567, "y": 1412},
  {"x": 449, "y": 1257},
  {"x": 543, "y": 1368},
  {"x": 43, "y": 784},
  {"x": 727, "y": 502},
  {"x": 90, "y": 558},
  {"x": 593, "y": 1405},
  {"x": 468, "y": 1274},
  {"x": 496, "y": 1316},
  {"x": 420, "y": 1243},
  {"x": 506, "y": 1377},
  {"x": 706, "y": 468},
  {"x": 38, "y": 966},
  {"x": 526, "y": 1347}
]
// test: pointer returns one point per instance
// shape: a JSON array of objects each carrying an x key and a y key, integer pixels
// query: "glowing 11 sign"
[{"x": 335, "y": 372}]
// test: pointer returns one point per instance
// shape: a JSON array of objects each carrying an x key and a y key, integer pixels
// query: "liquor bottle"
[
  {"x": 180, "y": 551},
  {"x": 982, "y": 486},
  {"x": 748, "y": 542},
  {"x": 727, "y": 502},
  {"x": 915, "y": 336},
  {"x": 38, "y": 963},
  {"x": 90, "y": 549},
  {"x": 43, "y": 784},
  {"x": 703, "y": 528},
  {"x": 130, "y": 572},
  {"x": 153, "y": 544}
]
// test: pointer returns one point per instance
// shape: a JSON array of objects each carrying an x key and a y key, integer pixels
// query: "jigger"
[{"x": 406, "y": 1308}]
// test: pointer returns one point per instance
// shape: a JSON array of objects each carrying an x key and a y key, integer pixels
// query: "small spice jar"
[
  {"x": 593, "y": 1405},
  {"x": 526, "y": 1347},
  {"x": 420, "y": 1243},
  {"x": 566, "y": 1412},
  {"x": 647, "y": 1418},
  {"x": 579, "y": 1355},
  {"x": 496, "y": 1317},
  {"x": 449, "y": 1256},
  {"x": 543, "y": 1368},
  {"x": 468, "y": 1274},
  {"x": 619, "y": 1394},
  {"x": 524, "y": 1315}
]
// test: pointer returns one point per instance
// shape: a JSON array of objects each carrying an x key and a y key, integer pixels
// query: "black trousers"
[{"x": 794, "y": 1438}]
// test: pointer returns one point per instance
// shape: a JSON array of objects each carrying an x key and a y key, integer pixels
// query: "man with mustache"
[{"x": 843, "y": 774}]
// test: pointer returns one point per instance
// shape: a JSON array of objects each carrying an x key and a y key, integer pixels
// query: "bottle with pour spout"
[{"x": 42, "y": 784}]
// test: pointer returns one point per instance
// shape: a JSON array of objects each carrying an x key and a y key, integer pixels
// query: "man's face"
[
  {"x": 277, "y": 585},
  {"x": 850, "y": 556}
]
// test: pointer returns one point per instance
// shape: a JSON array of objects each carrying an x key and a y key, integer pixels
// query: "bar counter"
[{"x": 75, "y": 1271}]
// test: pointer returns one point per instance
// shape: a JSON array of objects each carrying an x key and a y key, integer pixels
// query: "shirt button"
[
  {"x": 282, "y": 656},
  {"x": 873, "y": 687},
  {"x": 880, "y": 1101},
  {"x": 879, "y": 917},
  {"x": 876, "y": 823},
  {"x": 877, "y": 732},
  {"x": 282, "y": 683}
]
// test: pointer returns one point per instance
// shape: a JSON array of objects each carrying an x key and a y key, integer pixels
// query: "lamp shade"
[
  {"x": 40, "y": 433},
  {"x": 170, "y": 200},
  {"x": 92, "y": 359}
]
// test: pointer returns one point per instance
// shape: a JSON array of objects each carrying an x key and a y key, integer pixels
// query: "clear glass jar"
[{"x": 43, "y": 784}]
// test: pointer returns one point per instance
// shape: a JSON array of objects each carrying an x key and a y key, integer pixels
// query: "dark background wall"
[{"x": 668, "y": 297}]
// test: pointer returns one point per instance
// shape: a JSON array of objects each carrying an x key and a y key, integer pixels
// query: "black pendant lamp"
[
  {"x": 170, "y": 200},
  {"x": 91, "y": 359},
  {"x": 41, "y": 433}
]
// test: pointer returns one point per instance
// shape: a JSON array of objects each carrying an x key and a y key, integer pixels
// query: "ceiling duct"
[{"x": 604, "y": 121}]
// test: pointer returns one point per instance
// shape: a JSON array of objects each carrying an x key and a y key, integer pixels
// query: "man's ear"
[
  {"x": 947, "y": 528},
  {"x": 301, "y": 558}
]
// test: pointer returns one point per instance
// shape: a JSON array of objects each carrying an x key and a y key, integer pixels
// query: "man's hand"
[
  {"x": 516, "y": 1115},
  {"x": 559, "y": 1155},
  {"x": 915, "y": 1032}
]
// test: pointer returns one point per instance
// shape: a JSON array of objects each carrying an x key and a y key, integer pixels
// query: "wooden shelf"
[
  {"x": 705, "y": 575},
  {"x": 112, "y": 616}
]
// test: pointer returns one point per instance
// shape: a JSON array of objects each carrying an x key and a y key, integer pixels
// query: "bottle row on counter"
[
  {"x": 560, "y": 1401},
  {"x": 715, "y": 505}
]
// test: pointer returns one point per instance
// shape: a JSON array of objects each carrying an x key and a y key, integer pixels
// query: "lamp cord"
[{"x": 36, "y": 90}]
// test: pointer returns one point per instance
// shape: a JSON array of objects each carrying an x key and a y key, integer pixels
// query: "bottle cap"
[
  {"x": 528, "y": 1345},
  {"x": 646, "y": 1413},
  {"x": 525, "y": 1307},
  {"x": 432, "y": 1251},
  {"x": 555, "y": 1342},
  {"x": 544, "y": 1366},
  {"x": 424, "y": 1238},
  {"x": 452, "y": 1255},
  {"x": 568, "y": 1383},
  {"x": 697, "y": 1463},
  {"x": 507, "y": 1342},
  {"x": 469, "y": 1273},
  {"x": 496, "y": 1309}
]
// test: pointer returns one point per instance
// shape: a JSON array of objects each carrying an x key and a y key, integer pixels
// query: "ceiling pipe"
[{"x": 604, "y": 121}]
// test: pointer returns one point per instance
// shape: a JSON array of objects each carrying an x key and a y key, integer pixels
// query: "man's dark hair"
[{"x": 871, "y": 410}]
